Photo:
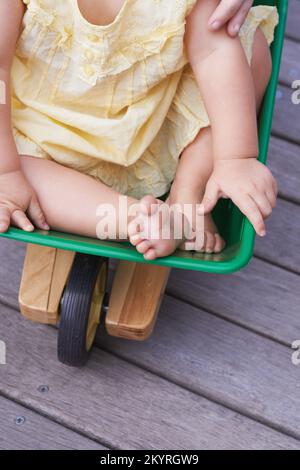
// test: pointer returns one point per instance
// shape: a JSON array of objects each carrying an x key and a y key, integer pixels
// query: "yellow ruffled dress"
[{"x": 118, "y": 102}]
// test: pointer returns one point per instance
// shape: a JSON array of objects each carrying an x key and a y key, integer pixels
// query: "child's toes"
[
  {"x": 188, "y": 245},
  {"x": 210, "y": 241},
  {"x": 148, "y": 205},
  {"x": 136, "y": 239},
  {"x": 143, "y": 246},
  {"x": 134, "y": 230},
  {"x": 219, "y": 244},
  {"x": 150, "y": 255}
]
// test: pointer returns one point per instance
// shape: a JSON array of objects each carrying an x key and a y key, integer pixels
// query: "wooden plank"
[
  {"x": 290, "y": 65},
  {"x": 12, "y": 255},
  {"x": 261, "y": 297},
  {"x": 36, "y": 283},
  {"x": 284, "y": 162},
  {"x": 294, "y": 19},
  {"x": 62, "y": 267},
  {"x": 222, "y": 361},
  {"x": 126, "y": 407},
  {"x": 44, "y": 277},
  {"x": 282, "y": 243},
  {"x": 35, "y": 432},
  {"x": 131, "y": 314},
  {"x": 286, "y": 124}
]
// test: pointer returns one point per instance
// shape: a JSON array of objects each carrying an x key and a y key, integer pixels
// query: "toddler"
[{"x": 136, "y": 98}]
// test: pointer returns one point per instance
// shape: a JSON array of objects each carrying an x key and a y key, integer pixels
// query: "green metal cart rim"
[{"x": 121, "y": 252}]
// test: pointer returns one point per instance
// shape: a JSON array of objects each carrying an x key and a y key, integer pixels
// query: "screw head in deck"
[
  {"x": 43, "y": 388},
  {"x": 19, "y": 420}
]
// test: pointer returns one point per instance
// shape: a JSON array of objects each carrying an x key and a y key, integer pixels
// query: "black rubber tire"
[{"x": 75, "y": 309}]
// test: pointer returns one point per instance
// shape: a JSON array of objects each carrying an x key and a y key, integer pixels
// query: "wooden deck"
[{"x": 217, "y": 372}]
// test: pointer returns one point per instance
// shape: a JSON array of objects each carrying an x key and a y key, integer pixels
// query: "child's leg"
[
  {"x": 70, "y": 200},
  {"x": 196, "y": 162},
  {"x": 194, "y": 169}
]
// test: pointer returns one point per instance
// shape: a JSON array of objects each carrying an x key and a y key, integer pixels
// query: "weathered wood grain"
[
  {"x": 36, "y": 432},
  {"x": 11, "y": 265},
  {"x": 290, "y": 65},
  {"x": 129, "y": 408},
  {"x": 261, "y": 297},
  {"x": 282, "y": 243},
  {"x": 131, "y": 314},
  {"x": 222, "y": 361},
  {"x": 284, "y": 162},
  {"x": 286, "y": 123},
  {"x": 294, "y": 19}
]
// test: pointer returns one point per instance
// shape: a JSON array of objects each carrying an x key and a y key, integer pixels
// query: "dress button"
[
  {"x": 89, "y": 55},
  {"x": 93, "y": 37},
  {"x": 89, "y": 70}
]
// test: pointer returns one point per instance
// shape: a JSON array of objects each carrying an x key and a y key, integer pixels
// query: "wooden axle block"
[
  {"x": 44, "y": 277},
  {"x": 135, "y": 299}
]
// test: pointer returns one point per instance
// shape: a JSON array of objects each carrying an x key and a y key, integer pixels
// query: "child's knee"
[{"x": 261, "y": 60}]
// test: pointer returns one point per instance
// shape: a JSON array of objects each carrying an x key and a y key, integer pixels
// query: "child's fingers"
[
  {"x": 275, "y": 186},
  {"x": 4, "y": 219},
  {"x": 249, "y": 207},
  {"x": 237, "y": 21},
  {"x": 19, "y": 219},
  {"x": 211, "y": 196},
  {"x": 263, "y": 204},
  {"x": 223, "y": 13},
  {"x": 36, "y": 214},
  {"x": 272, "y": 198}
]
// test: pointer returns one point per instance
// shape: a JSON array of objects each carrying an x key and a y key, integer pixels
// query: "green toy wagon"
[{"x": 64, "y": 276}]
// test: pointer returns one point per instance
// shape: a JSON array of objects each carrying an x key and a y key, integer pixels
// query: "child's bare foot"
[
  {"x": 212, "y": 240},
  {"x": 153, "y": 232}
]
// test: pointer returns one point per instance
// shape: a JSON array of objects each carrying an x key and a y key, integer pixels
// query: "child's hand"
[
  {"x": 16, "y": 199},
  {"x": 233, "y": 12},
  {"x": 248, "y": 183}
]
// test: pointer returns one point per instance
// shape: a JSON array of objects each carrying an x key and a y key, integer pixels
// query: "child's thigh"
[
  {"x": 261, "y": 64},
  {"x": 68, "y": 198},
  {"x": 261, "y": 55}
]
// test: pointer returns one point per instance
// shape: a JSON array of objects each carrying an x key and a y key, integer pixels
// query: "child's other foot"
[
  {"x": 153, "y": 232},
  {"x": 212, "y": 240}
]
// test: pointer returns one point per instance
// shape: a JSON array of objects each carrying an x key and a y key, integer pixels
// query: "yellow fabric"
[{"x": 117, "y": 102}]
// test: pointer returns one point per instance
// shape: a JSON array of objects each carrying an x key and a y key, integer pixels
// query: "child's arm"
[
  {"x": 226, "y": 83},
  {"x": 224, "y": 77},
  {"x": 16, "y": 195},
  {"x": 11, "y": 13}
]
